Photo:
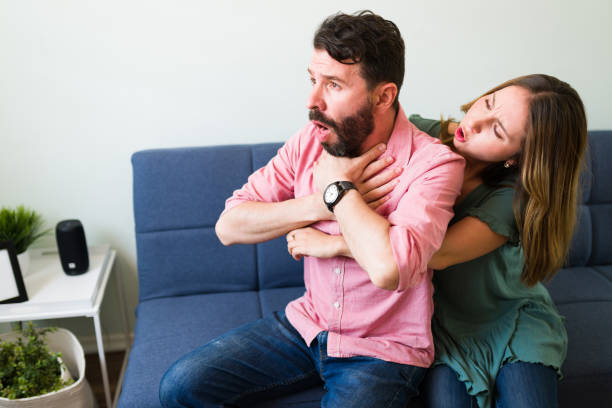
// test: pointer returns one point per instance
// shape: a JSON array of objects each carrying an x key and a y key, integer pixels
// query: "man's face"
[{"x": 339, "y": 104}]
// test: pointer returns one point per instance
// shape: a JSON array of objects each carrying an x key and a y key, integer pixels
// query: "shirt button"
[
  {"x": 337, "y": 270},
  {"x": 336, "y": 305}
]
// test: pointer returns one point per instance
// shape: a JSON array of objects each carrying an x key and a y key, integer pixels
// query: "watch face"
[{"x": 331, "y": 193}]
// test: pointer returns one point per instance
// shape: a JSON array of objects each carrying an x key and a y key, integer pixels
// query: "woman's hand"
[
  {"x": 376, "y": 184},
  {"x": 312, "y": 242}
]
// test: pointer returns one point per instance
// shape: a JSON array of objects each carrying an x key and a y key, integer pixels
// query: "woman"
[{"x": 498, "y": 336}]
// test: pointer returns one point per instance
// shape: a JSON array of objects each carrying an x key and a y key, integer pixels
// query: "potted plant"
[
  {"x": 22, "y": 227},
  {"x": 35, "y": 367}
]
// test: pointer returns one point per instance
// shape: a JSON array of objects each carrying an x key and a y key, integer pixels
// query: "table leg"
[
  {"x": 102, "y": 356},
  {"x": 127, "y": 335},
  {"x": 122, "y": 306}
]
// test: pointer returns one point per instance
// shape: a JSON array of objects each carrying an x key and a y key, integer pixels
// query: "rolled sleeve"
[
  {"x": 274, "y": 182},
  {"x": 419, "y": 222}
]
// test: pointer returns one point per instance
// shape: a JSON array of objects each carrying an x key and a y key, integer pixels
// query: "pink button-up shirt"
[{"x": 362, "y": 319}]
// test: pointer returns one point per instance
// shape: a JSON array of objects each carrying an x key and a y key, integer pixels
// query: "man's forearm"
[
  {"x": 367, "y": 236},
  {"x": 252, "y": 222}
]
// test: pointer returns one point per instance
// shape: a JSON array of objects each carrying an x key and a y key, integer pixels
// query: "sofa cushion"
[
  {"x": 273, "y": 300},
  {"x": 600, "y": 144},
  {"x": 584, "y": 298},
  {"x": 600, "y": 200},
  {"x": 262, "y": 153},
  {"x": 601, "y": 215},
  {"x": 581, "y": 245},
  {"x": 276, "y": 268},
  {"x": 580, "y": 284},
  {"x": 173, "y": 188},
  {"x": 168, "y": 328},
  {"x": 188, "y": 261}
]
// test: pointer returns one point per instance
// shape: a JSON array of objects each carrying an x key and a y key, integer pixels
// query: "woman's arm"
[{"x": 465, "y": 240}]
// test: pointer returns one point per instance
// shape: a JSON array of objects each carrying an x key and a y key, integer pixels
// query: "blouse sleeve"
[
  {"x": 497, "y": 212},
  {"x": 429, "y": 126}
]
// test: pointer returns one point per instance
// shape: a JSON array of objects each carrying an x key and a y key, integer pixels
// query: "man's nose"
[{"x": 315, "y": 99}]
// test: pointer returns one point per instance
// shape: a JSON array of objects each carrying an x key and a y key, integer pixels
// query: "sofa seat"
[
  {"x": 169, "y": 327},
  {"x": 583, "y": 296}
]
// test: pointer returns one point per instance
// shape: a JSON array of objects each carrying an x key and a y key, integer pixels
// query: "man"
[{"x": 363, "y": 325}]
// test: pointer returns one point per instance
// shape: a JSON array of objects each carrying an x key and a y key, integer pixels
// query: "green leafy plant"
[
  {"x": 28, "y": 368},
  {"x": 22, "y": 226}
]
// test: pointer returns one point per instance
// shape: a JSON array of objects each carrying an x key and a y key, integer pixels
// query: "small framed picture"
[{"x": 12, "y": 289}]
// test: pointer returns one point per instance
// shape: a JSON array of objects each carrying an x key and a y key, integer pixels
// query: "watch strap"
[{"x": 343, "y": 187}]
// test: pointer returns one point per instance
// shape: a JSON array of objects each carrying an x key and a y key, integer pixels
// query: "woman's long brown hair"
[{"x": 548, "y": 167}]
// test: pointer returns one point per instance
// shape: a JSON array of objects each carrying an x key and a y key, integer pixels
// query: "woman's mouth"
[{"x": 459, "y": 135}]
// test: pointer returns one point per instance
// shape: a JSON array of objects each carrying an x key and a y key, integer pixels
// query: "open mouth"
[
  {"x": 322, "y": 130},
  {"x": 459, "y": 135}
]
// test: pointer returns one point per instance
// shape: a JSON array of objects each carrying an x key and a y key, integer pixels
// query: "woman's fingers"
[
  {"x": 375, "y": 204},
  {"x": 375, "y": 167},
  {"x": 379, "y": 192},
  {"x": 371, "y": 155},
  {"x": 380, "y": 180}
]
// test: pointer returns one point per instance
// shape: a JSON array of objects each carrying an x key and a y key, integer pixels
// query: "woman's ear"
[
  {"x": 385, "y": 95},
  {"x": 510, "y": 163}
]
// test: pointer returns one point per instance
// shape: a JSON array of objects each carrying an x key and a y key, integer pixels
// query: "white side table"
[{"x": 52, "y": 294}]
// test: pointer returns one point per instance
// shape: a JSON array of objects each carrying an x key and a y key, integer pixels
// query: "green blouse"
[{"x": 484, "y": 316}]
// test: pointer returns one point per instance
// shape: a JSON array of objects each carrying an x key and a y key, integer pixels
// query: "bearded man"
[{"x": 363, "y": 325}]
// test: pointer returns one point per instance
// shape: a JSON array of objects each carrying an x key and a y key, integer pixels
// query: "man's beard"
[{"x": 352, "y": 131}]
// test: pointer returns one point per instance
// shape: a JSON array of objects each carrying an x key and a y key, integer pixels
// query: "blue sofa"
[{"x": 192, "y": 289}]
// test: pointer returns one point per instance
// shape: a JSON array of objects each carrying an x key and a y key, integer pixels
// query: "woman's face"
[{"x": 494, "y": 127}]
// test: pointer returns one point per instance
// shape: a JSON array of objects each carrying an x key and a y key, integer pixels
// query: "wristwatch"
[{"x": 334, "y": 192}]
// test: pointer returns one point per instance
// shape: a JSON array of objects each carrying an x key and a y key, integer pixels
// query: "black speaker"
[{"x": 72, "y": 247}]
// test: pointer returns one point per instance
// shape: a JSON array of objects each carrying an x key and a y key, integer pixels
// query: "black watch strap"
[{"x": 343, "y": 187}]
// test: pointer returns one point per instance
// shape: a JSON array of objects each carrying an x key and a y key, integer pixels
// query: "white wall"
[{"x": 84, "y": 84}]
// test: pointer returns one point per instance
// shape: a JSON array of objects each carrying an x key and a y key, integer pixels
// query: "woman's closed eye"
[{"x": 497, "y": 133}]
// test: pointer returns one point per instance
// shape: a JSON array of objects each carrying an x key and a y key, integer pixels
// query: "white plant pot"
[
  {"x": 76, "y": 395},
  {"x": 24, "y": 262}
]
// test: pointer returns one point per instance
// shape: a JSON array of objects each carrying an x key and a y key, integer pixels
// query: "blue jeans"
[
  {"x": 268, "y": 358},
  {"x": 518, "y": 385}
]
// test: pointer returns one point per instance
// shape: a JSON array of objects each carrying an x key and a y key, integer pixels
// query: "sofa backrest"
[
  {"x": 591, "y": 242},
  {"x": 179, "y": 194}
]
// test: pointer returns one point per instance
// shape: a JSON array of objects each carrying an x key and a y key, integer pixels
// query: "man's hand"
[{"x": 312, "y": 242}]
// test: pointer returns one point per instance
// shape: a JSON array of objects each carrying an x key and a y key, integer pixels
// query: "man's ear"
[{"x": 384, "y": 96}]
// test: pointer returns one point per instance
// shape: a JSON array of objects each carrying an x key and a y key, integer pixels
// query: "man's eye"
[
  {"x": 312, "y": 81},
  {"x": 334, "y": 85},
  {"x": 487, "y": 104}
]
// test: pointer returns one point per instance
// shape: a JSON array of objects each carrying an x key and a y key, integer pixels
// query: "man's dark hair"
[{"x": 367, "y": 39}]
